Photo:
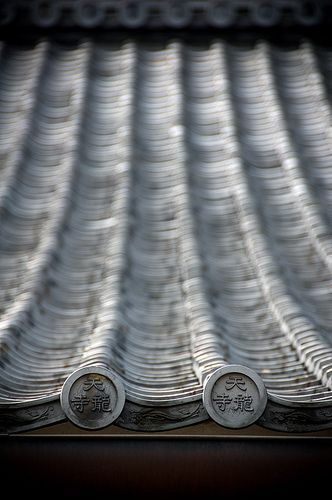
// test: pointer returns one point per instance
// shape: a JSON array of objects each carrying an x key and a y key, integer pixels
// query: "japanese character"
[
  {"x": 92, "y": 382},
  {"x": 243, "y": 403},
  {"x": 79, "y": 402},
  {"x": 222, "y": 400},
  {"x": 238, "y": 382},
  {"x": 101, "y": 403}
]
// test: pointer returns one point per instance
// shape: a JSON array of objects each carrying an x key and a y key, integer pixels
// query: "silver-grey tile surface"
[{"x": 166, "y": 209}]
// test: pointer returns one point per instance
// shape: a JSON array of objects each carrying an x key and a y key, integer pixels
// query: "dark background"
[{"x": 200, "y": 459}]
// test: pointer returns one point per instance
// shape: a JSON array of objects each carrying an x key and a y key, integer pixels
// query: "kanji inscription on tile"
[
  {"x": 92, "y": 397},
  {"x": 234, "y": 396}
]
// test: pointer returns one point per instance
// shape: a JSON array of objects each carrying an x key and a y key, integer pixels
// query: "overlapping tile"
[{"x": 165, "y": 213}]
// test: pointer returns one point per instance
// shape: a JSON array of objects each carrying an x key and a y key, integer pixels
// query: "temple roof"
[
  {"x": 165, "y": 14},
  {"x": 165, "y": 232}
]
